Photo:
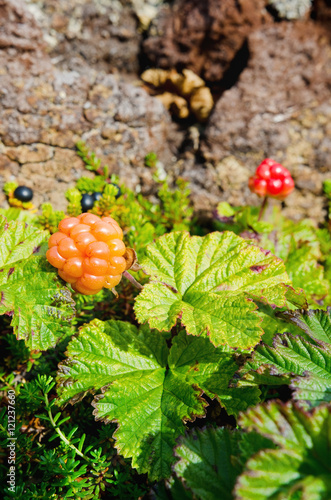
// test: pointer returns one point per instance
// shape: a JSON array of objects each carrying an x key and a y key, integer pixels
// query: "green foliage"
[
  {"x": 211, "y": 300},
  {"x": 16, "y": 214},
  {"x": 300, "y": 467},
  {"x": 151, "y": 159},
  {"x": 147, "y": 388},
  {"x": 40, "y": 309},
  {"x": 142, "y": 221},
  {"x": 74, "y": 197},
  {"x": 299, "y": 244},
  {"x": 49, "y": 218},
  {"x": 9, "y": 188},
  {"x": 309, "y": 359},
  {"x": 209, "y": 283},
  {"x": 77, "y": 466},
  {"x": 87, "y": 185},
  {"x": 212, "y": 459}
]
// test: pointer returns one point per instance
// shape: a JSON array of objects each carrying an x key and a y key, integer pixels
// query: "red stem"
[{"x": 262, "y": 208}]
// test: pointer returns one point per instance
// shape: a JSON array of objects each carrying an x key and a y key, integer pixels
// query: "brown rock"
[
  {"x": 85, "y": 34},
  {"x": 280, "y": 108},
  {"x": 44, "y": 111},
  {"x": 202, "y": 36}
]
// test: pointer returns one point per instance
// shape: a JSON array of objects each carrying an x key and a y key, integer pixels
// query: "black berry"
[
  {"x": 87, "y": 202},
  {"x": 23, "y": 193},
  {"x": 97, "y": 196},
  {"x": 119, "y": 192}
]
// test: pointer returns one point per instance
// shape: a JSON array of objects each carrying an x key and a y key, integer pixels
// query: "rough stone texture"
[
  {"x": 322, "y": 12},
  {"x": 44, "y": 111},
  {"x": 203, "y": 36},
  {"x": 81, "y": 34},
  {"x": 280, "y": 108},
  {"x": 291, "y": 9}
]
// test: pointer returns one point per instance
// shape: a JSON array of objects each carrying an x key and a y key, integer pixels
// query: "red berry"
[
  {"x": 288, "y": 186},
  {"x": 271, "y": 179},
  {"x": 260, "y": 186},
  {"x": 274, "y": 187},
  {"x": 277, "y": 171},
  {"x": 263, "y": 171}
]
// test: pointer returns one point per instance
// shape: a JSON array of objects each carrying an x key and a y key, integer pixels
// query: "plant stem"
[
  {"x": 133, "y": 280},
  {"x": 263, "y": 207},
  {"x": 60, "y": 433}
]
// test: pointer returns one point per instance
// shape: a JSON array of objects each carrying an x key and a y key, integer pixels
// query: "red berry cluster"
[
  {"x": 271, "y": 179},
  {"x": 88, "y": 252}
]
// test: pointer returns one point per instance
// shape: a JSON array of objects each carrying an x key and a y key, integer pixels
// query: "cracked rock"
[
  {"x": 281, "y": 109},
  {"x": 44, "y": 111}
]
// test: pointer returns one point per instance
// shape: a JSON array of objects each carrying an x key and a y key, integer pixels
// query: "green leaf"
[
  {"x": 293, "y": 355},
  {"x": 17, "y": 241},
  {"x": 207, "y": 463},
  {"x": 31, "y": 294},
  {"x": 209, "y": 284},
  {"x": 147, "y": 388},
  {"x": 298, "y": 245},
  {"x": 212, "y": 459},
  {"x": 274, "y": 322},
  {"x": 211, "y": 369},
  {"x": 301, "y": 468},
  {"x": 18, "y": 214},
  {"x": 314, "y": 323},
  {"x": 41, "y": 308},
  {"x": 305, "y": 272}
]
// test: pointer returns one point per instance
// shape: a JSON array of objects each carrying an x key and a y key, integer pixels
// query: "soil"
[{"x": 69, "y": 70}]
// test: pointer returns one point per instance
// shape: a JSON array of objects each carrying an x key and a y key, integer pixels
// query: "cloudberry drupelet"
[{"x": 88, "y": 252}]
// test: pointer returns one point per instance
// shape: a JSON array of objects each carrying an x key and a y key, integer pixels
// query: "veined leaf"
[
  {"x": 41, "y": 308},
  {"x": 315, "y": 323},
  {"x": 211, "y": 460},
  {"x": 209, "y": 284},
  {"x": 309, "y": 358},
  {"x": 29, "y": 289},
  {"x": 147, "y": 388},
  {"x": 301, "y": 468},
  {"x": 17, "y": 241}
]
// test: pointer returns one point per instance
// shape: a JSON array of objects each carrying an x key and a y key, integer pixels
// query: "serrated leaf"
[
  {"x": 209, "y": 284},
  {"x": 274, "y": 322},
  {"x": 17, "y": 241},
  {"x": 301, "y": 467},
  {"x": 293, "y": 355},
  {"x": 207, "y": 464},
  {"x": 298, "y": 245},
  {"x": 146, "y": 388},
  {"x": 211, "y": 370},
  {"x": 41, "y": 308},
  {"x": 305, "y": 272},
  {"x": 211, "y": 460},
  {"x": 314, "y": 323}
]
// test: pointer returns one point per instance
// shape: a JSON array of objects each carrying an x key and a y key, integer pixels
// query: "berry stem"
[
  {"x": 263, "y": 208},
  {"x": 133, "y": 280}
]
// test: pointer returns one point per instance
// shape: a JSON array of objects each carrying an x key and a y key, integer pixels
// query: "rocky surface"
[
  {"x": 44, "y": 111},
  {"x": 280, "y": 108},
  {"x": 203, "y": 36},
  {"x": 85, "y": 34},
  {"x": 58, "y": 85}
]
